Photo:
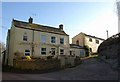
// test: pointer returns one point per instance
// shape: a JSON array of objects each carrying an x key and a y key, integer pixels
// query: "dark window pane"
[
  {"x": 61, "y": 40},
  {"x": 97, "y": 41},
  {"x": 53, "y": 40},
  {"x": 90, "y": 39},
  {"x": 24, "y": 38},
  {"x": 43, "y": 51}
]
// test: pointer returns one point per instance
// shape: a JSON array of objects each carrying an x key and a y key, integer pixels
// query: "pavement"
[{"x": 90, "y": 69}]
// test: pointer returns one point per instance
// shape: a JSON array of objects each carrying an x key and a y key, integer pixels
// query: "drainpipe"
[{"x": 33, "y": 43}]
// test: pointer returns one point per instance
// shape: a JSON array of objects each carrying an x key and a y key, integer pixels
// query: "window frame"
[
  {"x": 43, "y": 38},
  {"x": 43, "y": 52},
  {"x": 27, "y": 51},
  {"x": 61, "y": 40},
  {"x": 90, "y": 39},
  {"x": 61, "y": 53},
  {"x": 53, "y": 39},
  {"x": 25, "y": 38},
  {"x": 97, "y": 41}
]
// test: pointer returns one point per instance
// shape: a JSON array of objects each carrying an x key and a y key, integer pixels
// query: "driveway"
[{"x": 90, "y": 69}]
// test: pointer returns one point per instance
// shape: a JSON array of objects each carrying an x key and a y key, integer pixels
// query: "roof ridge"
[
  {"x": 40, "y": 27},
  {"x": 91, "y": 35}
]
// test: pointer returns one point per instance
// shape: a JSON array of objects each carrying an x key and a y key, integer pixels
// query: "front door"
[{"x": 53, "y": 51}]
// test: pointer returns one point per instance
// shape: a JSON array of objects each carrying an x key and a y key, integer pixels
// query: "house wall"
[
  {"x": 16, "y": 43},
  {"x": 80, "y": 38},
  {"x": 84, "y": 40},
  {"x": 77, "y": 52},
  {"x": 10, "y": 48},
  {"x": 93, "y": 45}
]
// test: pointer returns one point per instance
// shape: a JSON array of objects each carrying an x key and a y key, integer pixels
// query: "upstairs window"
[
  {"x": 61, "y": 40},
  {"x": 43, "y": 51},
  {"x": 53, "y": 39},
  {"x": 90, "y": 39},
  {"x": 97, "y": 41},
  {"x": 25, "y": 37},
  {"x": 43, "y": 39},
  {"x": 61, "y": 51},
  {"x": 27, "y": 52}
]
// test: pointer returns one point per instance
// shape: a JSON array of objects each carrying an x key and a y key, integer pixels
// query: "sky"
[{"x": 92, "y": 18}]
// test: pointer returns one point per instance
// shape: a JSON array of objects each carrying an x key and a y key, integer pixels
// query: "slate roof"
[
  {"x": 38, "y": 27},
  {"x": 94, "y": 37}
]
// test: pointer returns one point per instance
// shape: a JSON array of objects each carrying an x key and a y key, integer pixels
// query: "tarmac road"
[{"x": 90, "y": 69}]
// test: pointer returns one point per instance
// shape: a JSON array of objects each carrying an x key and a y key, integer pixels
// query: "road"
[{"x": 90, "y": 69}]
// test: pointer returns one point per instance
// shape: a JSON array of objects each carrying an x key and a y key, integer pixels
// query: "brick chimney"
[
  {"x": 61, "y": 27},
  {"x": 30, "y": 20}
]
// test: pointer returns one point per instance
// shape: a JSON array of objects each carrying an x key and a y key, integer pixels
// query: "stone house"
[
  {"x": 35, "y": 40},
  {"x": 85, "y": 39},
  {"x": 77, "y": 50}
]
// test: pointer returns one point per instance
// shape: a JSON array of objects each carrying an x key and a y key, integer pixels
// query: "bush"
[{"x": 87, "y": 50}]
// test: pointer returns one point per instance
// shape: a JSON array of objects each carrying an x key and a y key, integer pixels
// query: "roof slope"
[
  {"x": 43, "y": 28},
  {"x": 93, "y": 37}
]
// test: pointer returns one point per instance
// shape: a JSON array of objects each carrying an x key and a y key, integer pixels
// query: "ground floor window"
[
  {"x": 27, "y": 52},
  {"x": 61, "y": 51},
  {"x": 43, "y": 51}
]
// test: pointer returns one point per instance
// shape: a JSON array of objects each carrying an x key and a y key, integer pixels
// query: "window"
[
  {"x": 97, "y": 41},
  {"x": 43, "y": 39},
  {"x": 24, "y": 37},
  {"x": 61, "y": 40},
  {"x": 27, "y": 52},
  {"x": 90, "y": 39},
  {"x": 53, "y": 40},
  {"x": 61, "y": 51},
  {"x": 77, "y": 42},
  {"x": 43, "y": 51}
]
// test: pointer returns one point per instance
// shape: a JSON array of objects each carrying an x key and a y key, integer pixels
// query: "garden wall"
[{"x": 37, "y": 64}]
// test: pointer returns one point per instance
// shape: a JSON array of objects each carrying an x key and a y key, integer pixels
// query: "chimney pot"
[
  {"x": 30, "y": 20},
  {"x": 61, "y": 27}
]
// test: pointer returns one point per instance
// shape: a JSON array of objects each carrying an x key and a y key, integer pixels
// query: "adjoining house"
[
  {"x": 87, "y": 40},
  {"x": 34, "y": 40},
  {"x": 77, "y": 50}
]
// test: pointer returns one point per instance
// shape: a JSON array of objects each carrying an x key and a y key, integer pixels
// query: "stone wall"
[
  {"x": 109, "y": 51},
  {"x": 37, "y": 64}
]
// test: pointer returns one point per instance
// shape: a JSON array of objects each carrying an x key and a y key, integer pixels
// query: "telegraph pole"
[{"x": 107, "y": 33}]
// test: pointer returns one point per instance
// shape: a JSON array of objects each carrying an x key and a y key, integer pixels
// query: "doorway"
[{"x": 53, "y": 51}]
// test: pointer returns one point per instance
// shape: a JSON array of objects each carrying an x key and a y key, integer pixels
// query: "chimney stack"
[
  {"x": 30, "y": 20},
  {"x": 61, "y": 27}
]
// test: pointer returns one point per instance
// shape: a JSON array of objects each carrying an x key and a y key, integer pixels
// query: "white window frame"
[
  {"x": 61, "y": 40},
  {"x": 61, "y": 53},
  {"x": 25, "y": 37},
  {"x": 53, "y": 40},
  {"x": 27, "y": 52},
  {"x": 43, "y": 51}
]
